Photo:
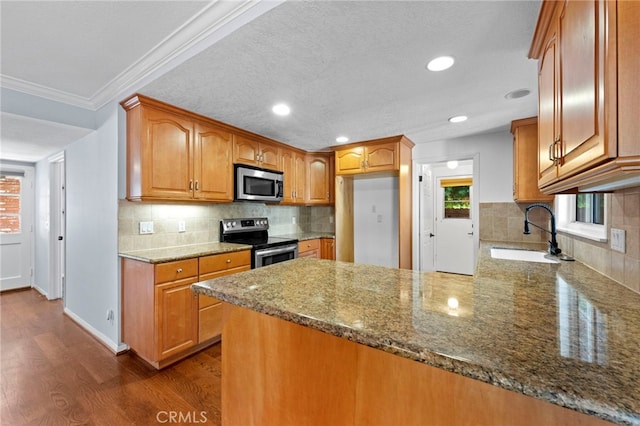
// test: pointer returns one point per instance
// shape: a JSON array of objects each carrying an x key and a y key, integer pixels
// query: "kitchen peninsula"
[{"x": 316, "y": 341}]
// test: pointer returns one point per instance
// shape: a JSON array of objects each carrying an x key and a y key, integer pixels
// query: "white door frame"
[
  {"x": 57, "y": 209},
  {"x": 419, "y": 206}
]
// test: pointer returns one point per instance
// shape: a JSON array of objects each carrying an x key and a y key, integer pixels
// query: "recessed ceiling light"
[
  {"x": 520, "y": 93},
  {"x": 440, "y": 63},
  {"x": 458, "y": 119},
  {"x": 452, "y": 164},
  {"x": 342, "y": 139},
  {"x": 281, "y": 109}
]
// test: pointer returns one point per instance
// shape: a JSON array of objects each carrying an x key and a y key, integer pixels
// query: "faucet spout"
[{"x": 553, "y": 244}]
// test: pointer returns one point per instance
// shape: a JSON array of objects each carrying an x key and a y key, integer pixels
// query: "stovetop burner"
[{"x": 251, "y": 231}]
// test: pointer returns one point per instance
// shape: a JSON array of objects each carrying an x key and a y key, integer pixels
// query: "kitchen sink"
[{"x": 524, "y": 255}]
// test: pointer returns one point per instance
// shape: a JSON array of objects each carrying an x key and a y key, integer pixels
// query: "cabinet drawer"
[
  {"x": 223, "y": 262},
  {"x": 174, "y": 271},
  {"x": 210, "y": 322},
  {"x": 308, "y": 245}
]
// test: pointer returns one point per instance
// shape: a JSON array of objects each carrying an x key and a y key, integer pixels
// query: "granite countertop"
[
  {"x": 561, "y": 333},
  {"x": 169, "y": 254},
  {"x": 303, "y": 236}
]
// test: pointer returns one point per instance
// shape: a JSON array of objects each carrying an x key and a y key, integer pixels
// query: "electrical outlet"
[
  {"x": 379, "y": 218},
  {"x": 146, "y": 227},
  {"x": 182, "y": 227},
  {"x": 293, "y": 220},
  {"x": 618, "y": 240},
  {"x": 373, "y": 208}
]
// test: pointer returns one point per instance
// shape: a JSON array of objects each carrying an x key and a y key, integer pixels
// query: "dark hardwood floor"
[{"x": 52, "y": 372}]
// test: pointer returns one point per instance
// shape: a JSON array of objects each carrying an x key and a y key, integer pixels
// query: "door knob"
[
  {"x": 60, "y": 238},
  {"x": 431, "y": 235}
]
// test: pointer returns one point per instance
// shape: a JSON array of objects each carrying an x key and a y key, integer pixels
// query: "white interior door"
[
  {"x": 16, "y": 228},
  {"x": 454, "y": 227}
]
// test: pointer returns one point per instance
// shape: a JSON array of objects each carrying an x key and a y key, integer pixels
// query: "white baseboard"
[
  {"x": 101, "y": 337},
  {"x": 41, "y": 291}
]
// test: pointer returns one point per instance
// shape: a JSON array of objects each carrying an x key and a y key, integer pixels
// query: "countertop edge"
[{"x": 185, "y": 256}]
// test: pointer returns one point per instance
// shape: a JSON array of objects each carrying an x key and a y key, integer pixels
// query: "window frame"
[{"x": 565, "y": 210}]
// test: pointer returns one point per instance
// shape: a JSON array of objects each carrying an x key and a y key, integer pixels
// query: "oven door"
[{"x": 271, "y": 255}]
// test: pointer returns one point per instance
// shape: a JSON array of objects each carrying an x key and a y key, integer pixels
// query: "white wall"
[
  {"x": 92, "y": 281},
  {"x": 495, "y": 161},
  {"x": 376, "y": 232}
]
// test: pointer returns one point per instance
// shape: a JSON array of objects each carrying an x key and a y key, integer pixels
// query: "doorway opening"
[{"x": 448, "y": 215}]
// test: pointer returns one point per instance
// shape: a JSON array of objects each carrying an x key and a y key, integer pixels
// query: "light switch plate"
[
  {"x": 618, "y": 240},
  {"x": 182, "y": 227}
]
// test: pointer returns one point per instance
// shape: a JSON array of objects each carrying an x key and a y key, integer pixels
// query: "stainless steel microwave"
[{"x": 256, "y": 184}]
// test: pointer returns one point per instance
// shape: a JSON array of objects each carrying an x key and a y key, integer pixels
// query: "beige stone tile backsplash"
[
  {"x": 202, "y": 221},
  {"x": 505, "y": 221}
]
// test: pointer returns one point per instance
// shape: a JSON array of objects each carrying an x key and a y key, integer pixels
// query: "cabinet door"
[
  {"x": 583, "y": 54},
  {"x": 167, "y": 155},
  {"x": 213, "y": 168},
  {"x": 381, "y": 157},
  {"x": 246, "y": 151},
  {"x": 289, "y": 176},
  {"x": 525, "y": 166},
  {"x": 350, "y": 161},
  {"x": 327, "y": 248},
  {"x": 548, "y": 119},
  {"x": 319, "y": 187},
  {"x": 270, "y": 157},
  {"x": 294, "y": 169},
  {"x": 176, "y": 317}
]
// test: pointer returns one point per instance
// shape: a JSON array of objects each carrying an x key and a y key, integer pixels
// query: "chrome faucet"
[{"x": 553, "y": 244}]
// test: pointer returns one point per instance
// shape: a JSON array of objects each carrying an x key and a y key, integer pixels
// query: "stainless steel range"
[{"x": 265, "y": 250}]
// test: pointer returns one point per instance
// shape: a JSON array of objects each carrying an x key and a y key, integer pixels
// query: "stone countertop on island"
[
  {"x": 170, "y": 254},
  {"x": 561, "y": 333}
]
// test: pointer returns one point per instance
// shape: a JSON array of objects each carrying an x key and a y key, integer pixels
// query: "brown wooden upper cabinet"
[
  {"x": 308, "y": 177},
  {"x": 172, "y": 155},
  {"x": 525, "y": 161},
  {"x": 373, "y": 157},
  {"x": 589, "y": 60},
  {"x": 321, "y": 178},
  {"x": 295, "y": 176},
  {"x": 256, "y": 153}
]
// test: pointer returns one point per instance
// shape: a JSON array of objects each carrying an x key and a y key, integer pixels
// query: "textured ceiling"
[
  {"x": 358, "y": 68},
  {"x": 354, "y": 68}
]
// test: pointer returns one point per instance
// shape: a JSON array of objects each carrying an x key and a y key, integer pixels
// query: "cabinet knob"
[
  {"x": 228, "y": 260},
  {"x": 179, "y": 270}
]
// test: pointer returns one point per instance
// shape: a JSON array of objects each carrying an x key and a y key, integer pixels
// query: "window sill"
[{"x": 589, "y": 231}]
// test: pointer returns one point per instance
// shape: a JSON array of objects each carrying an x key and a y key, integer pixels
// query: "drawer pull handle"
[{"x": 179, "y": 270}]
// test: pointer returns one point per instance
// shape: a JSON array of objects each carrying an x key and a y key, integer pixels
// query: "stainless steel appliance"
[
  {"x": 256, "y": 184},
  {"x": 265, "y": 250}
]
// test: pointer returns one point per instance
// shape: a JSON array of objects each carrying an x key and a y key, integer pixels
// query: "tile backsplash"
[
  {"x": 505, "y": 221},
  {"x": 202, "y": 221}
]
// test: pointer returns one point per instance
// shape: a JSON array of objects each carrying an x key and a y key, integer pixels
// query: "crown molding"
[
  {"x": 41, "y": 91},
  {"x": 211, "y": 24}
]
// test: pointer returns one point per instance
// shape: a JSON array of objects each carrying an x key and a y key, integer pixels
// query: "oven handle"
[{"x": 277, "y": 250}]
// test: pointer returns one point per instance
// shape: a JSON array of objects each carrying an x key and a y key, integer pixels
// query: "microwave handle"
[{"x": 279, "y": 189}]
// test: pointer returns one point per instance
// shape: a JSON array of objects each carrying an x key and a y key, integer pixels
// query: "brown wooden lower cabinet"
[
  {"x": 311, "y": 377},
  {"x": 163, "y": 321},
  {"x": 328, "y": 248},
  {"x": 309, "y": 248}
]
